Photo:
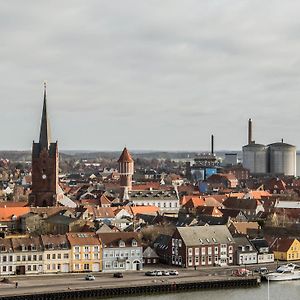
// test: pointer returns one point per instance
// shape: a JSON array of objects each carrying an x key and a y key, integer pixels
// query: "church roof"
[
  {"x": 125, "y": 156},
  {"x": 45, "y": 135}
]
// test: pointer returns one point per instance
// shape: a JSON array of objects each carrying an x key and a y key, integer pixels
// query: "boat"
[{"x": 284, "y": 272}]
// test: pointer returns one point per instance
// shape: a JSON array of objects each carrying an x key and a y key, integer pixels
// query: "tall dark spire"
[{"x": 45, "y": 128}]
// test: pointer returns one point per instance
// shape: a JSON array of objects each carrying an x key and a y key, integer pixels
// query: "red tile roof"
[
  {"x": 125, "y": 156},
  {"x": 6, "y": 213}
]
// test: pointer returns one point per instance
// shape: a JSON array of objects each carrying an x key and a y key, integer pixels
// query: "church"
[{"x": 44, "y": 165}]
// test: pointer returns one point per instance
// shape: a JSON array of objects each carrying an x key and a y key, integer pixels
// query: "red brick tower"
[
  {"x": 44, "y": 165},
  {"x": 126, "y": 170}
]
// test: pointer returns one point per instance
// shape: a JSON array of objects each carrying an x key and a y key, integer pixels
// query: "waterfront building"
[
  {"x": 286, "y": 248},
  {"x": 122, "y": 251},
  {"x": 27, "y": 255},
  {"x": 7, "y": 263},
  {"x": 245, "y": 252},
  {"x": 56, "y": 254},
  {"x": 86, "y": 252},
  {"x": 264, "y": 253},
  {"x": 198, "y": 246}
]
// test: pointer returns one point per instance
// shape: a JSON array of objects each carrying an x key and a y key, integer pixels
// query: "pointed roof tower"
[
  {"x": 45, "y": 128},
  {"x": 125, "y": 156}
]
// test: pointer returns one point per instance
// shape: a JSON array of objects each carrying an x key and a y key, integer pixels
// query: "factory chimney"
[
  {"x": 250, "y": 131},
  {"x": 212, "y": 144}
]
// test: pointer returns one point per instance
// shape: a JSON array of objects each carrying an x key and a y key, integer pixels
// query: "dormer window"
[
  {"x": 121, "y": 244},
  {"x": 134, "y": 243},
  {"x": 23, "y": 247}
]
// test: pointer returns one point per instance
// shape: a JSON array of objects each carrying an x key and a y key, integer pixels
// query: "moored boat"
[{"x": 285, "y": 272}]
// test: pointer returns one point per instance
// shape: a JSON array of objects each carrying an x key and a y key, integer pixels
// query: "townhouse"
[
  {"x": 264, "y": 253},
  {"x": 85, "y": 252},
  {"x": 27, "y": 255},
  {"x": 201, "y": 246},
  {"x": 6, "y": 257},
  {"x": 122, "y": 251},
  {"x": 245, "y": 252},
  {"x": 56, "y": 256}
]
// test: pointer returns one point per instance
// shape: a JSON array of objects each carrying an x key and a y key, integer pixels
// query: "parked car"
[
  {"x": 90, "y": 277},
  {"x": 118, "y": 275},
  {"x": 150, "y": 273},
  {"x": 158, "y": 273},
  {"x": 262, "y": 270},
  {"x": 166, "y": 273},
  {"x": 173, "y": 272}
]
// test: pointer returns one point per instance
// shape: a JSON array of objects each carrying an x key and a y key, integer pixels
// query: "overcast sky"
[{"x": 157, "y": 75}]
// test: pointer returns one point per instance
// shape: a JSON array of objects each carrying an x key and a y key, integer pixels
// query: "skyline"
[{"x": 151, "y": 75}]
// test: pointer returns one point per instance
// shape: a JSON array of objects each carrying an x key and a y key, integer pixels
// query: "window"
[
  {"x": 59, "y": 256},
  {"x": 58, "y": 267},
  {"x": 132, "y": 252},
  {"x": 107, "y": 265},
  {"x": 48, "y": 256},
  {"x": 179, "y": 243},
  {"x": 209, "y": 259},
  {"x": 196, "y": 251},
  {"x": 134, "y": 243},
  {"x": 190, "y": 261},
  {"x": 4, "y": 258},
  {"x": 76, "y": 249},
  {"x": 48, "y": 267},
  {"x": 86, "y": 256},
  {"x": 53, "y": 267},
  {"x": 197, "y": 260},
  {"x": 115, "y": 264},
  {"x": 203, "y": 260},
  {"x": 203, "y": 251},
  {"x": 96, "y": 255},
  {"x": 216, "y": 250},
  {"x": 29, "y": 268},
  {"x": 40, "y": 257},
  {"x": 121, "y": 244},
  {"x": 76, "y": 256},
  {"x": 34, "y": 257},
  {"x": 66, "y": 255},
  {"x": 76, "y": 267},
  {"x": 29, "y": 258},
  {"x": 10, "y": 258},
  {"x": 34, "y": 268},
  {"x": 23, "y": 258},
  {"x": 18, "y": 258},
  {"x": 86, "y": 267},
  {"x": 86, "y": 248},
  {"x": 53, "y": 256},
  {"x": 96, "y": 248},
  {"x": 209, "y": 250},
  {"x": 190, "y": 251},
  {"x": 4, "y": 268}
]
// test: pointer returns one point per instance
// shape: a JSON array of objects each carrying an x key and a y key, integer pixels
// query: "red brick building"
[{"x": 44, "y": 166}]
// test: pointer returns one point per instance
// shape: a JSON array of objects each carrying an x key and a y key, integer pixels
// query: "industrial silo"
[
  {"x": 282, "y": 159},
  {"x": 255, "y": 158}
]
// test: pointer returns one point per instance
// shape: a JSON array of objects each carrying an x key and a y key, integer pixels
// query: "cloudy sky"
[{"x": 160, "y": 75}]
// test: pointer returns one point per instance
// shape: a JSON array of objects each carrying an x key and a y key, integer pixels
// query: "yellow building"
[
  {"x": 86, "y": 253},
  {"x": 286, "y": 249}
]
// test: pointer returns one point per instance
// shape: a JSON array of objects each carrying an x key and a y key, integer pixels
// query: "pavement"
[{"x": 71, "y": 281}]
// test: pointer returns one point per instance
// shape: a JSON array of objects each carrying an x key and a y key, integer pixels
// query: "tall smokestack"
[
  {"x": 212, "y": 144},
  {"x": 250, "y": 131}
]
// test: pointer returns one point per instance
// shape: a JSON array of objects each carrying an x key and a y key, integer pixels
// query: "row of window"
[
  {"x": 10, "y": 258},
  {"x": 158, "y": 204},
  {"x": 58, "y": 256},
  {"x": 87, "y": 248},
  {"x": 86, "y": 256},
  {"x": 118, "y": 253},
  {"x": 204, "y": 260}
]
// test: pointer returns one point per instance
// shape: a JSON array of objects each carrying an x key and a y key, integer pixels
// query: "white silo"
[
  {"x": 255, "y": 158},
  {"x": 282, "y": 159}
]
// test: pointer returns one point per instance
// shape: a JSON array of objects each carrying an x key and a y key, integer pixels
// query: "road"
[{"x": 61, "y": 282}]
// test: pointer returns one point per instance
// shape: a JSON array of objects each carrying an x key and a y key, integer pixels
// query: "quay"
[{"x": 126, "y": 288}]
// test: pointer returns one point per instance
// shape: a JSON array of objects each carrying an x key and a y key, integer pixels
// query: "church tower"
[
  {"x": 126, "y": 170},
  {"x": 44, "y": 165}
]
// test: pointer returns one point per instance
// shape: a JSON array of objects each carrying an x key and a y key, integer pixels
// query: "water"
[{"x": 278, "y": 291}]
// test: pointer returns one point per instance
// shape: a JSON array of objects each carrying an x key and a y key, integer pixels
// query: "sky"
[{"x": 150, "y": 75}]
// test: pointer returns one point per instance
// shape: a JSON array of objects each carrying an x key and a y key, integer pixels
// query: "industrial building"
[{"x": 276, "y": 159}]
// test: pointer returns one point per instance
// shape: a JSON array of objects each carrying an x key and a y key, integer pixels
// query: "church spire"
[{"x": 45, "y": 128}]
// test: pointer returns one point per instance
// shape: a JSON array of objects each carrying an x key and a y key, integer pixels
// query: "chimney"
[
  {"x": 250, "y": 131},
  {"x": 212, "y": 144}
]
